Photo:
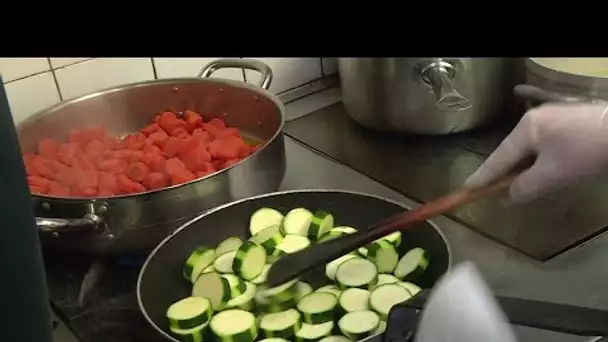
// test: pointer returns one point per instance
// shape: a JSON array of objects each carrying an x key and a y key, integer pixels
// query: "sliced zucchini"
[
  {"x": 269, "y": 238},
  {"x": 228, "y": 245},
  {"x": 332, "y": 266},
  {"x": 357, "y": 272},
  {"x": 335, "y": 338},
  {"x": 196, "y": 334},
  {"x": 333, "y": 289},
  {"x": 344, "y": 229},
  {"x": 249, "y": 260},
  {"x": 387, "y": 279},
  {"x": 273, "y": 339},
  {"x": 412, "y": 264},
  {"x": 275, "y": 255},
  {"x": 384, "y": 297},
  {"x": 297, "y": 222},
  {"x": 303, "y": 289},
  {"x": 262, "y": 277},
  {"x": 337, "y": 232},
  {"x": 413, "y": 288},
  {"x": 223, "y": 263},
  {"x": 354, "y": 299},
  {"x": 281, "y": 293},
  {"x": 384, "y": 255},
  {"x": 318, "y": 307},
  {"x": 266, "y": 306},
  {"x": 201, "y": 258},
  {"x": 281, "y": 324},
  {"x": 234, "y": 325},
  {"x": 293, "y": 243},
  {"x": 213, "y": 287},
  {"x": 189, "y": 313},
  {"x": 394, "y": 238},
  {"x": 264, "y": 218},
  {"x": 208, "y": 269},
  {"x": 381, "y": 328},
  {"x": 320, "y": 224},
  {"x": 237, "y": 285},
  {"x": 313, "y": 333},
  {"x": 358, "y": 325},
  {"x": 245, "y": 301}
]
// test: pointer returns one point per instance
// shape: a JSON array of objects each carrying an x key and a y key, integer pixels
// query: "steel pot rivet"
[
  {"x": 55, "y": 234},
  {"x": 225, "y": 114},
  {"x": 102, "y": 209},
  {"x": 45, "y": 205},
  {"x": 256, "y": 98},
  {"x": 221, "y": 90},
  {"x": 175, "y": 90}
]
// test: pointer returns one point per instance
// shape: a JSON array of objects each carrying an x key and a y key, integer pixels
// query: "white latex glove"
[
  {"x": 570, "y": 141},
  {"x": 461, "y": 308}
]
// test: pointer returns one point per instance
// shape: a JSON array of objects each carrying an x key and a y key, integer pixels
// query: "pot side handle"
[
  {"x": 439, "y": 76},
  {"x": 59, "y": 225},
  {"x": 244, "y": 63}
]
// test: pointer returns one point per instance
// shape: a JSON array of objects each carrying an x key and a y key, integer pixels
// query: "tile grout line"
[
  {"x": 55, "y": 80},
  {"x": 51, "y": 69},
  {"x": 154, "y": 68}
]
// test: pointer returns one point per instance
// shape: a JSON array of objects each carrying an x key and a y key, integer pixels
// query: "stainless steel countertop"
[{"x": 578, "y": 277}]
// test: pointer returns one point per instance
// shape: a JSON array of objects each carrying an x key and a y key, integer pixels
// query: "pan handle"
[
  {"x": 568, "y": 319},
  {"x": 244, "y": 63},
  {"x": 59, "y": 225}
]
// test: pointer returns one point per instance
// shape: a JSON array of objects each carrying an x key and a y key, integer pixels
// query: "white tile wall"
[
  {"x": 33, "y": 84},
  {"x": 190, "y": 67}
]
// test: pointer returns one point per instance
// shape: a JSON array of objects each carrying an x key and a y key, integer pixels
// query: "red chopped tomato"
[
  {"x": 37, "y": 190},
  {"x": 137, "y": 171},
  {"x": 227, "y": 132},
  {"x": 211, "y": 129},
  {"x": 223, "y": 149},
  {"x": 169, "y": 121},
  {"x": 48, "y": 148},
  {"x": 179, "y": 132},
  {"x": 155, "y": 162},
  {"x": 95, "y": 149},
  {"x": 66, "y": 153},
  {"x": 155, "y": 180},
  {"x": 217, "y": 122},
  {"x": 113, "y": 165},
  {"x": 193, "y": 121},
  {"x": 151, "y": 128},
  {"x": 107, "y": 183},
  {"x": 196, "y": 159},
  {"x": 184, "y": 176},
  {"x": 229, "y": 163},
  {"x": 56, "y": 189},
  {"x": 44, "y": 167},
  {"x": 39, "y": 182},
  {"x": 153, "y": 149},
  {"x": 171, "y": 147},
  {"x": 202, "y": 136},
  {"x": 158, "y": 138},
  {"x": 174, "y": 166},
  {"x": 127, "y": 186},
  {"x": 187, "y": 146}
]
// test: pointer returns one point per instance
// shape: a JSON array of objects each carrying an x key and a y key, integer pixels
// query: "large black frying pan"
[{"x": 160, "y": 281}]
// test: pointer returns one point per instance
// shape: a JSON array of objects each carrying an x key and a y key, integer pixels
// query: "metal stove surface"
[
  {"x": 424, "y": 168},
  {"x": 95, "y": 298}
]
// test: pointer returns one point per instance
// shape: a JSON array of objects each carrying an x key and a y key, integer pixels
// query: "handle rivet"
[{"x": 46, "y": 205}]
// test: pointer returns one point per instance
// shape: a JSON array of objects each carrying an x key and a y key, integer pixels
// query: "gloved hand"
[{"x": 570, "y": 141}]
